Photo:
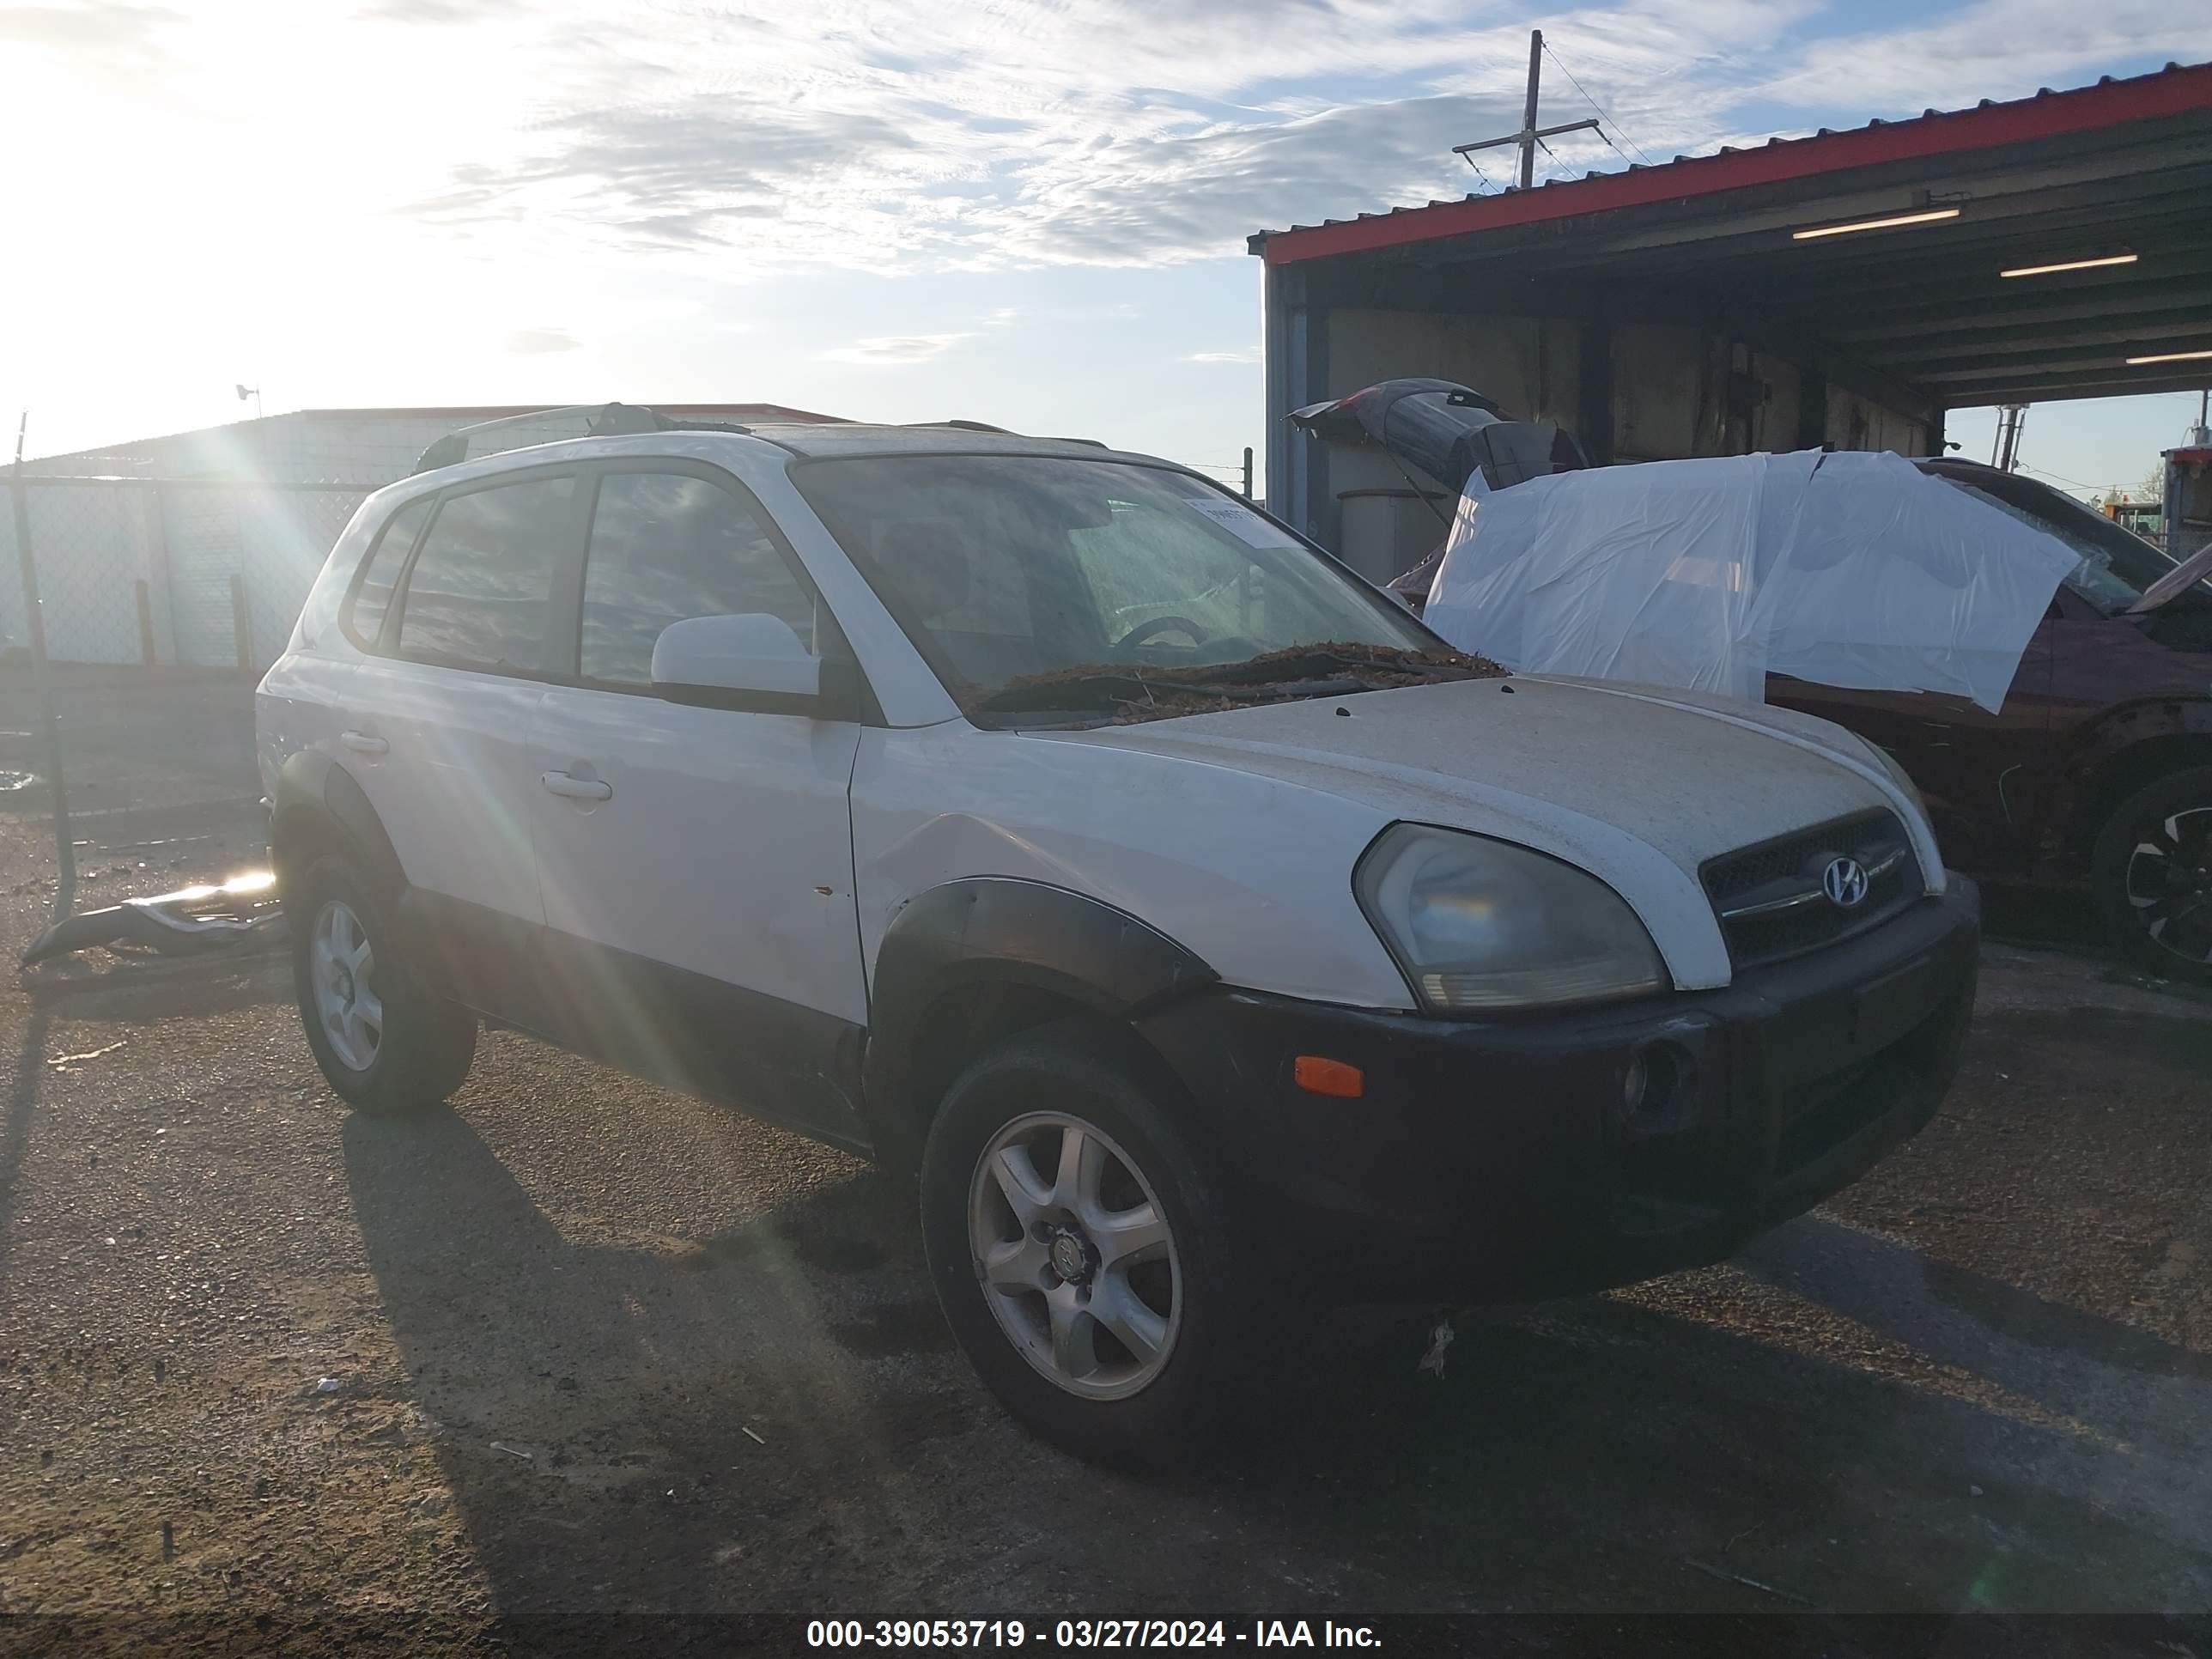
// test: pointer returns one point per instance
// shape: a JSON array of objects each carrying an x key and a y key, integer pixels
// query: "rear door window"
[
  {"x": 481, "y": 593},
  {"x": 668, "y": 546},
  {"x": 380, "y": 574}
]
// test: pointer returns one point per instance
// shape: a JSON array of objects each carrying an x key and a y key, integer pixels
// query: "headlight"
[{"x": 1477, "y": 923}]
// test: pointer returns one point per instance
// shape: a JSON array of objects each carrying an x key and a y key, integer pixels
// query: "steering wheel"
[{"x": 1145, "y": 630}]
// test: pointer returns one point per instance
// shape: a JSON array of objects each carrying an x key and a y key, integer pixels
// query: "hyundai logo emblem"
[{"x": 1844, "y": 882}]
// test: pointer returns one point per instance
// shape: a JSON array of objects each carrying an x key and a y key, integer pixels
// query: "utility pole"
[
  {"x": 1530, "y": 134},
  {"x": 34, "y": 627},
  {"x": 2006, "y": 453}
]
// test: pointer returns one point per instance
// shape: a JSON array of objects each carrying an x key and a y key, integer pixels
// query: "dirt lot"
[{"x": 581, "y": 1348}]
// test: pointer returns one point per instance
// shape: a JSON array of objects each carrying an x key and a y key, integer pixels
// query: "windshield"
[
  {"x": 2117, "y": 566},
  {"x": 1034, "y": 584}
]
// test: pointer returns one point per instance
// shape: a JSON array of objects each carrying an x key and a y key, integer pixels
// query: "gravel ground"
[{"x": 580, "y": 1346}]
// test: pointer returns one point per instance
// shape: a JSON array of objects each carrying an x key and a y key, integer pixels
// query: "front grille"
[{"x": 1778, "y": 883}]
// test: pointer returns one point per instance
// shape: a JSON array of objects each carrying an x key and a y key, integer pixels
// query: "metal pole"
[
  {"x": 1528, "y": 116},
  {"x": 1248, "y": 472},
  {"x": 35, "y": 624},
  {"x": 241, "y": 625}
]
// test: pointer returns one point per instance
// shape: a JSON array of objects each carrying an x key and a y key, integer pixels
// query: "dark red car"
[{"x": 2098, "y": 771}]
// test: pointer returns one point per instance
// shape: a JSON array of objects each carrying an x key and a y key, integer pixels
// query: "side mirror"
[{"x": 749, "y": 662}]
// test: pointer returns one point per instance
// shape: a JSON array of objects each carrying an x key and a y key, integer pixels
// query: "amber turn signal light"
[{"x": 1320, "y": 1076}]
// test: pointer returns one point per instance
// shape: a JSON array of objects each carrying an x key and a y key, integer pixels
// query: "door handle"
[
  {"x": 559, "y": 783},
  {"x": 362, "y": 743}
]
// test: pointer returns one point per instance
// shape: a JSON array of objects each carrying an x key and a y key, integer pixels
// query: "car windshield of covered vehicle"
[
  {"x": 1048, "y": 589},
  {"x": 2117, "y": 566}
]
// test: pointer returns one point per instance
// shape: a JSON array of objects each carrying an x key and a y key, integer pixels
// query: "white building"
[
  {"x": 370, "y": 446},
  {"x": 197, "y": 549}
]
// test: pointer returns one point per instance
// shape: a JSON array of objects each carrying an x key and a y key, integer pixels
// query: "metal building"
[{"x": 1848, "y": 289}]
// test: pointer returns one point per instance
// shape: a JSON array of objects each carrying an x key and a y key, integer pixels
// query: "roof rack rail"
[
  {"x": 969, "y": 426},
  {"x": 607, "y": 421}
]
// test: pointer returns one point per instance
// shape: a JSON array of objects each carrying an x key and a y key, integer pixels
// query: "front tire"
[
  {"x": 2150, "y": 875},
  {"x": 385, "y": 1043},
  {"x": 1081, "y": 1248}
]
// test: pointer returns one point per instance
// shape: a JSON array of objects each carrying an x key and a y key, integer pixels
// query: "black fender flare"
[
  {"x": 1003, "y": 930},
  {"x": 318, "y": 799}
]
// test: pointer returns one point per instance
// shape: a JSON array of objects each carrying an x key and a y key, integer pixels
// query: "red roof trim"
[{"x": 2175, "y": 90}]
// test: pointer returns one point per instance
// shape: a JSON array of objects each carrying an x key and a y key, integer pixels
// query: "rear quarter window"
[{"x": 365, "y": 608}]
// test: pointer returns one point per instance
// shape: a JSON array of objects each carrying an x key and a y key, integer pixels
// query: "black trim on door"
[
  {"x": 781, "y": 1061},
  {"x": 485, "y": 959},
  {"x": 776, "y": 1060}
]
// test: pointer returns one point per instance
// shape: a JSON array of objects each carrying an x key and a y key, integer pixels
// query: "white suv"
[{"x": 1047, "y": 823}]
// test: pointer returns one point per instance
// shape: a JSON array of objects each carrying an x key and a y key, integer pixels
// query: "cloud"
[
  {"x": 1244, "y": 355},
  {"x": 432, "y": 13},
  {"x": 533, "y": 340},
  {"x": 114, "y": 42},
  {"x": 950, "y": 136},
  {"x": 891, "y": 350}
]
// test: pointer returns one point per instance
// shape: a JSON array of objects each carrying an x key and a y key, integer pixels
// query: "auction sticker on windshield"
[{"x": 1241, "y": 521}]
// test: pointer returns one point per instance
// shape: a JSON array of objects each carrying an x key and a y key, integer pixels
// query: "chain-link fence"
[
  {"x": 159, "y": 601},
  {"x": 168, "y": 573}
]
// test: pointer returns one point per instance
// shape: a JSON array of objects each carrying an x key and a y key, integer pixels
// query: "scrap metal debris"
[
  {"x": 69, "y": 1062},
  {"x": 191, "y": 920}
]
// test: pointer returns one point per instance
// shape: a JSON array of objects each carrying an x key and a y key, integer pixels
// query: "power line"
[
  {"x": 2046, "y": 473},
  {"x": 1480, "y": 175},
  {"x": 1559, "y": 167},
  {"x": 1599, "y": 108}
]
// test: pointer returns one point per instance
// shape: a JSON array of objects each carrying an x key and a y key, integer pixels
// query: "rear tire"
[
  {"x": 385, "y": 1043},
  {"x": 2150, "y": 875},
  {"x": 1155, "y": 1225}
]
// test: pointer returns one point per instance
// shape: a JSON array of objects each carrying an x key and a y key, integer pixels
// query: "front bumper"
[{"x": 1499, "y": 1160}]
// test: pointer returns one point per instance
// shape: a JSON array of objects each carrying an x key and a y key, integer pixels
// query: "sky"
[{"x": 1031, "y": 214}]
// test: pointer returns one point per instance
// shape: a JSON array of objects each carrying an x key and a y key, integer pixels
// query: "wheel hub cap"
[{"x": 1071, "y": 1257}]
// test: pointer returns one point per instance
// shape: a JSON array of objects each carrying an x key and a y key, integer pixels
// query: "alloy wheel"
[
  {"x": 2169, "y": 883},
  {"x": 343, "y": 968},
  {"x": 1075, "y": 1255}
]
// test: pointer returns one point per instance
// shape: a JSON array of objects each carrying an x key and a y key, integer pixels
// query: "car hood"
[{"x": 1601, "y": 774}]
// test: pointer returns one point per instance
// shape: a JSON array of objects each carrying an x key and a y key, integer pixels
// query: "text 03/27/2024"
[{"x": 1085, "y": 1633}]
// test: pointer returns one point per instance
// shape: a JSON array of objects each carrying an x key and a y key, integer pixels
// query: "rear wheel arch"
[
  {"x": 968, "y": 964},
  {"x": 319, "y": 808}
]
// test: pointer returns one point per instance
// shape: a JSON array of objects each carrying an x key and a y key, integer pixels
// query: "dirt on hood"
[{"x": 1123, "y": 694}]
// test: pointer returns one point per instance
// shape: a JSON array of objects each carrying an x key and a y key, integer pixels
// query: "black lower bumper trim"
[{"x": 1502, "y": 1160}]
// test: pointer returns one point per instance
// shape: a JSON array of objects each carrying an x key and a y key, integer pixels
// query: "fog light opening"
[{"x": 1650, "y": 1085}]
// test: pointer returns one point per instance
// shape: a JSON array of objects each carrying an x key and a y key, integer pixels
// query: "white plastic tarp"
[{"x": 1851, "y": 570}]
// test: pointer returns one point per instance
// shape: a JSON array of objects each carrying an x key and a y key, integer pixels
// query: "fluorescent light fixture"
[
  {"x": 1928, "y": 218},
  {"x": 2071, "y": 265},
  {"x": 2169, "y": 357}
]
